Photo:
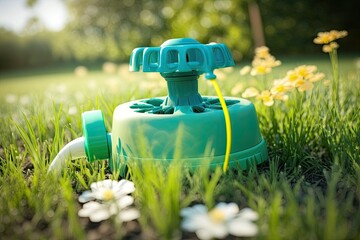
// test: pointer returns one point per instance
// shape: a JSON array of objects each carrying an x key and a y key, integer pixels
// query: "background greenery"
[
  {"x": 309, "y": 189},
  {"x": 109, "y": 29}
]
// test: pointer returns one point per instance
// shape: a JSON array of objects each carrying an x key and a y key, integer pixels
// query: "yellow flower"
[
  {"x": 263, "y": 62},
  {"x": 262, "y": 52},
  {"x": 237, "y": 89},
  {"x": 326, "y": 83},
  {"x": 220, "y": 75},
  {"x": 327, "y": 37},
  {"x": 245, "y": 70},
  {"x": 281, "y": 97},
  {"x": 330, "y": 47},
  {"x": 280, "y": 86},
  {"x": 305, "y": 71},
  {"x": 250, "y": 92},
  {"x": 324, "y": 38},
  {"x": 317, "y": 77},
  {"x": 302, "y": 77},
  {"x": 260, "y": 70},
  {"x": 266, "y": 97},
  {"x": 338, "y": 34},
  {"x": 109, "y": 67},
  {"x": 228, "y": 69},
  {"x": 305, "y": 86},
  {"x": 292, "y": 77},
  {"x": 81, "y": 71}
]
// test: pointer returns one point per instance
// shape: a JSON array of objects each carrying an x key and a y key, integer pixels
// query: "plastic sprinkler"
[{"x": 184, "y": 122}]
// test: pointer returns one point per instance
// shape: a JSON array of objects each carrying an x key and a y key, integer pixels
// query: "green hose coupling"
[{"x": 97, "y": 141}]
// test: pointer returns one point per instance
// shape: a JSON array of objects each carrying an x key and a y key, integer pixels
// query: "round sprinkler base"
[
  {"x": 148, "y": 130},
  {"x": 241, "y": 160}
]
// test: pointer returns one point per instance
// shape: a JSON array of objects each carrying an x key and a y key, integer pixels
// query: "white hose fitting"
[{"x": 73, "y": 150}]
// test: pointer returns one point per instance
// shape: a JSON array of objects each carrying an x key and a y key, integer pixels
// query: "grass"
[{"x": 309, "y": 189}]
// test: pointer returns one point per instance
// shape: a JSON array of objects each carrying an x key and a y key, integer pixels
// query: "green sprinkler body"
[{"x": 183, "y": 125}]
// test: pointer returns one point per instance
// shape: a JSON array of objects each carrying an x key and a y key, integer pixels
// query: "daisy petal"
[
  {"x": 242, "y": 228},
  {"x": 100, "y": 215},
  {"x": 128, "y": 215},
  {"x": 125, "y": 201},
  {"x": 124, "y": 187},
  {"x": 204, "y": 234},
  {"x": 229, "y": 209},
  {"x": 248, "y": 214},
  {"x": 86, "y": 197},
  {"x": 189, "y": 225},
  {"x": 196, "y": 209},
  {"x": 218, "y": 230},
  {"x": 88, "y": 208}
]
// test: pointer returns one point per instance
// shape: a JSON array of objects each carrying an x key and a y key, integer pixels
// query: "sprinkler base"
[{"x": 146, "y": 130}]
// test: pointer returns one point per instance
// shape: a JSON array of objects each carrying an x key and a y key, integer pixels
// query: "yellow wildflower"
[
  {"x": 330, "y": 47},
  {"x": 324, "y": 38},
  {"x": 250, "y": 92},
  {"x": 245, "y": 70},
  {"x": 327, "y": 37},
  {"x": 220, "y": 75},
  {"x": 260, "y": 70},
  {"x": 317, "y": 77},
  {"x": 81, "y": 71},
  {"x": 292, "y": 77},
  {"x": 228, "y": 69},
  {"x": 264, "y": 65},
  {"x": 263, "y": 61},
  {"x": 305, "y": 71},
  {"x": 326, "y": 83},
  {"x": 280, "y": 86},
  {"x": 109, "y": 67},
  {"x": 305, "y": 86},
  {"x": 302, "y": 77},
  {"x": 266, "y": 97},
  {"x": 338, "y": 34},
  {"x": 262, "y": 52},
  {"x": 281, "y": 97},
  {"x": 237, "y": 89}
]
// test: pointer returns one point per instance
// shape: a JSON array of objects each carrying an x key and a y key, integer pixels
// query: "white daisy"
[
  {"x": 97, "y": 211},
  {"x": 107, "y": 190},
  {"x": 222, "y": 220}
]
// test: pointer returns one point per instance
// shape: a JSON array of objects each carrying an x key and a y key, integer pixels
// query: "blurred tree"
[
  {"x": 290, "y": 26},
  {"x": 256, "y": 24},
  {"x": 112, "y": 29},
  {"x": 24, "y": 51},
  {"x": 101, "y": 30}
]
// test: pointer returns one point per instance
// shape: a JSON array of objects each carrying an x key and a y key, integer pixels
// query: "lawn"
[{"x": 309, "y": 188}]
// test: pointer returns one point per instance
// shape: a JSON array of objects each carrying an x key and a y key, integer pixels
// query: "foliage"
[
  {"x": 26, "y": 51},
  {"x": 309, "y": 188},
  {"x": 114, "y": 28},
  {"x": 109, "y": 30},
  {"x": 289, "y": 25}
]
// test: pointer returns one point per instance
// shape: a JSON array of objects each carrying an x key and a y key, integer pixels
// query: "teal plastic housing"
[
  {"x": 183, "y": 125},
  {"x": 193, "y": 136}
]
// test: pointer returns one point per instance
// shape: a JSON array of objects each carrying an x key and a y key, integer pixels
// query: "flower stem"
[{"x": 335, "y": 72}]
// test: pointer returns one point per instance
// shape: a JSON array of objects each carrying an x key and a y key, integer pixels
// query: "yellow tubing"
[{"x": 227, "y": 123}]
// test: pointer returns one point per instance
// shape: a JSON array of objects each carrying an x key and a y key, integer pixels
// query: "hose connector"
[
  {"x": 97, "y": 141},
  {"x": 95, "y": 144}
]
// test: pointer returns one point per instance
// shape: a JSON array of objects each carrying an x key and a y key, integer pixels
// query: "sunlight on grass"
[{"x": 310, "y": 187}]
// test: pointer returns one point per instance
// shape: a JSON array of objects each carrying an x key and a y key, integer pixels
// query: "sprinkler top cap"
[
  {"x": 179, "y": 41},
  {"x": 182, "y": 55},
  {"x": 96, "y": 138}
]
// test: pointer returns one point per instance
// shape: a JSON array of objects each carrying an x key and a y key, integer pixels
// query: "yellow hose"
[{"x": 227, "y": 123}]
